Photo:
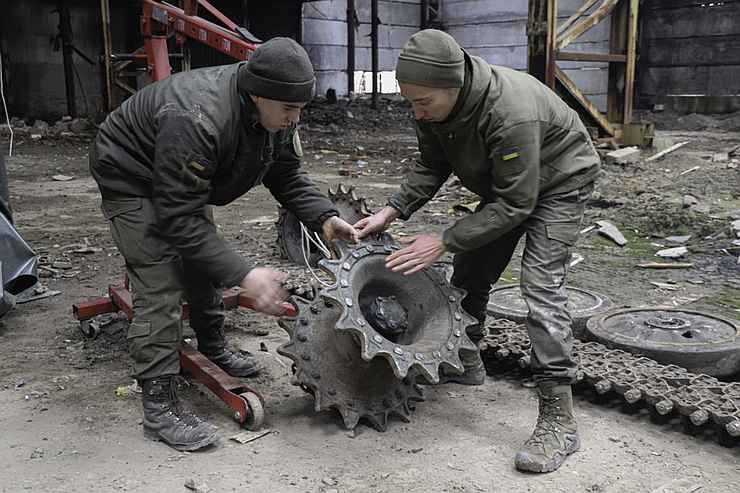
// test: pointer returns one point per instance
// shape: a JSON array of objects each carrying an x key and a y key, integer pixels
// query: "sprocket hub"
[{"x": 436, "y": 321}]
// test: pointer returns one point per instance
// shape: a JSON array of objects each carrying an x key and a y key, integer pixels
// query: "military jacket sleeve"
[
  {"x": 185, "y": 161},
  {"x": 292, "y": 187},
  {"x": 514, "y": 153},
  {"x": 425, "y": 178}
]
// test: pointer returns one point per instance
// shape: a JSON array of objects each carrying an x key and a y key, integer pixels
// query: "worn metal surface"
[
  {"x": 507, "y": 302},
  {"x": 669, "y": 390},
  {"x": 328, "y": 365},
  {"x": 699, "y": 342},
  {"x": 436, "y": 321},
  {"x": 351, "y": 208}
]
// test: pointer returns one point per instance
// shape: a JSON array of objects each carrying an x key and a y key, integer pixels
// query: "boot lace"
[{"x": 547, "y": 422}]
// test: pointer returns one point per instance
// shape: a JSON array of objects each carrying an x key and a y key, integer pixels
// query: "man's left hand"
[
  {"x": 421, "y": 252},
  {"x": 336, "y": 228}
]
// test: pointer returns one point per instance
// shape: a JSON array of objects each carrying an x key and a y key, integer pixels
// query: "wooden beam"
[
  {"x": 629, "y": 83},
  {"x": 590, "y": 57},
  {"x": 617, "y": 44},
  {"x": 583, "y": 101},
  {"x": 578, "y": 29},
  {"x": 582, "y": 10},
  {"x": 552, "y": 20}
]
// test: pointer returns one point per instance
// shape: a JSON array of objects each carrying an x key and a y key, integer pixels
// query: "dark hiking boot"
[
  {"x": 474, "y": 373},
  {"x": 555, "y": 436},
  {"x": 241, "y": 364},
  {"x": 166, "y": 420}
]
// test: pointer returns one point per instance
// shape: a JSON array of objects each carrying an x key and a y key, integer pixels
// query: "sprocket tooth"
[
  {"x": 379, "y": 421},
  {"x": 349, "y": 416}
]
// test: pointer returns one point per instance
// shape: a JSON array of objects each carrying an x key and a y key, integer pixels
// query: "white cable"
[
  {"x": 5, "y": 107},
  {"x": 306, "y": 241}
]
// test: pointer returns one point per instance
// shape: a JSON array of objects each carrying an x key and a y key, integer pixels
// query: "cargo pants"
[
  {"x": 550, "y": 231},
  {"x": 160, "y": 281}
]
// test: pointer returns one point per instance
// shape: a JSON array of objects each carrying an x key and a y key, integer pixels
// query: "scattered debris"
[
  {"x": 689, "y": 170},
  {"x": 38, "y": 293},
  {"x": 37, "y": 453},
  {"x": 247, "y": 436},
  {"x": 720, "y": 157},
  {"x": 468, "y": 208},
  {"x": 128, "y": 390},
  {"x": 684, "y": 485},
  {"x": 665, "y": 265},
  {"x": 575, "y": 259},
  {"x": 689, "y": 201},
  {"x": 196, "y": 486},
  {"x": 666, "y": 151},
  {"x": 62, "y": 178},
  {"x": 329, "y": 481},
  {"x": 625, "y": 155},
  {"x": 587, "y": 230},
  {"x": 610, "y": 231},
  {"x": 676, "y": 252},
  {"x": 678, "y": 239},
  {"x": 664, "y": 285}
]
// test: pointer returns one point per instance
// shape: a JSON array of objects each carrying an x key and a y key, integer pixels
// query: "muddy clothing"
[
  {"x": 159, "y": 160},
  {"x": 191, "y": 140},
  {"x": 528, "y": 156}
]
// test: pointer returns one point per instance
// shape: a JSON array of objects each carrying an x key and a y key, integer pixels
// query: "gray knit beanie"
[
  {"x": 431, "y": 58},
  {"x": 278, "y": 69}
]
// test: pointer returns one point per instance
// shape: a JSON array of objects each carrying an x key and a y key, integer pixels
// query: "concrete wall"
[
  {"x": 496, "y": 31},
  {"x": 34, "y": 73},
  {"x": 325, "y": 39}
]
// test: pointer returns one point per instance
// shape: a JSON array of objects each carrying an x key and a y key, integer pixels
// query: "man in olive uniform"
[
  {"x": 512, "y": 141},
  {"x": 198, "y": 138}
]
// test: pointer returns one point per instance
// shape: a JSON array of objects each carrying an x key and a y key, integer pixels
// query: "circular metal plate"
[
  {"x": 507, "y": 302},
  {"x": 700, "y": 342}
]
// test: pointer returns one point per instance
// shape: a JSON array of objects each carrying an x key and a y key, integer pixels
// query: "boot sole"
[
  {"x": 156, "y": 437},
  {"x": 523, "y": 462}
]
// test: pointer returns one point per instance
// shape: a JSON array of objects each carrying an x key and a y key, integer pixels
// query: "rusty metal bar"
[
  {"x": 374, "y": 49},
  {"x": 583, "y": 101},
  {"x": 590, "y": 57},
  {"x": 351, "y": 26},
  {"x": 629, "y": 75}
]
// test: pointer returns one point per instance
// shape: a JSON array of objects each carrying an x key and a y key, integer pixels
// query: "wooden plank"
[
  {"x": 583, "y": 101},
  {"x": 590, "y": 57},
  {"x": 629, "y": 84},
  {"x": 594, "y": 18},
  {"x": 721, "y": 19},
  {"x": 694, "y": 52},
  {"x": 723, "y": 79},
  {"x": 581, "y": 10},
  {"x": 666, "y": 151},
  {"x": 617, "y": 44}
]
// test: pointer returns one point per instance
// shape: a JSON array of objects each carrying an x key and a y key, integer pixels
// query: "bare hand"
[
  {"x": 376, "y": 223},
  {"x": 263, "y": 286},
  {"x": 336, "y": 228},
  {"x": 421, "y": 252}
]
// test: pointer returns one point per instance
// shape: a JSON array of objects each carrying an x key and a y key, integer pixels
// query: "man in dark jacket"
[
  {"x": 512, "y": 141},
  {"x": 194, "y": 139}
]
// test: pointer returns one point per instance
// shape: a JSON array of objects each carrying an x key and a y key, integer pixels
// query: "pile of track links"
[{"x": 668, "y": 391}]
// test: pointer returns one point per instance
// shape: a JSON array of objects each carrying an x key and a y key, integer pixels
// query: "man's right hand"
[
  {"x": 376, "y": 223},
  {"x": 264, "y": 287}
]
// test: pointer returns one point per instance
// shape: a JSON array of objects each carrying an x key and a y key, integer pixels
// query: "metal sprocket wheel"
[{"x": 328, "y": 365}]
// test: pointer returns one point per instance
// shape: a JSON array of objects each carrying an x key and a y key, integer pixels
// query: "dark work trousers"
[
  {"x": 160, "y": 280},
  {"x": 549, "y": 232}
]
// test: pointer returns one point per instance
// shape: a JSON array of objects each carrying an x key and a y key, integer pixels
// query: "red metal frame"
[
  {"x": 224, "y": 386},
  {"x": 160, "y": 20}
]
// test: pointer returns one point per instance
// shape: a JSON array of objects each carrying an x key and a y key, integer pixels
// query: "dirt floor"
[{"x": 64, "y": 428}]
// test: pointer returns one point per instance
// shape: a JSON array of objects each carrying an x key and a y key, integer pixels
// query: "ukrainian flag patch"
[{"x": 510, "y": 153}]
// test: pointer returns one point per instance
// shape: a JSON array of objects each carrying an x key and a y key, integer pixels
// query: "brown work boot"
[
  {"x": 474, "y": 371},
  {"x": 555, "y": 436},
  {"x": 167, "y": 420}
]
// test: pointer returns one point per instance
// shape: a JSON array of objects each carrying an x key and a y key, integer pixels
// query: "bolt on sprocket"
[
  {"x": 436, "y": 321},
  {"x": 327, "y": 364}
]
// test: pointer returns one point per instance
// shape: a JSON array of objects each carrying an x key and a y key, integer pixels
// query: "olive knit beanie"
[{"x": 431, "y": 58}]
